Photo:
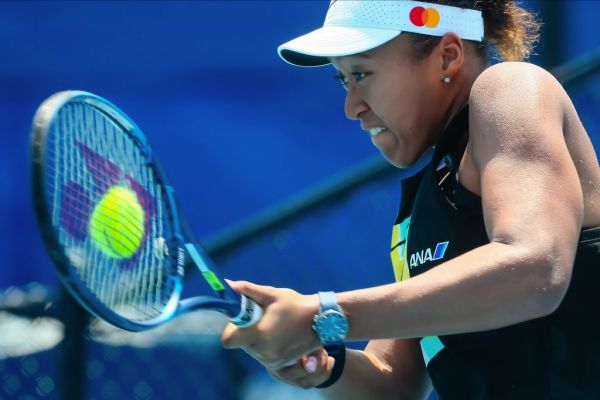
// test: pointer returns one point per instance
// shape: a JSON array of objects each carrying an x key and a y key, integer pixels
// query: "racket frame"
[{"x": 243, "y": 311}]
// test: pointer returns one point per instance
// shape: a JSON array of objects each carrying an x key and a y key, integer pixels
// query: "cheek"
[
  {"x": 411, "y": 110},
  {"x": 401, "y": 101}
]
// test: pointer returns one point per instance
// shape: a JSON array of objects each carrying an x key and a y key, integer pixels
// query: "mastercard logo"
[{"x": 421, "y": 16}]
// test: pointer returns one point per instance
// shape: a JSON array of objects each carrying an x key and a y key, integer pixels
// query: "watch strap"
[
  {"x": 328, "y": 301},
  {"x": 338, "y": 352}
]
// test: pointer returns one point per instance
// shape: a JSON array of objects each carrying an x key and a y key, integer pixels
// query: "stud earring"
[{"x": 446, "y": 80}]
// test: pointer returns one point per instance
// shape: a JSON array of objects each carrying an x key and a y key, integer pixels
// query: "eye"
[
  {"x": 343, "y": 80},
  {"x": 359, "y": 76}
]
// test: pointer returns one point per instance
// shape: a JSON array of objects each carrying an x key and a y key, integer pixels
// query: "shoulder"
[
  {"x": 506, "y": 74},
  {"x": 515, "y": 84},
  {"x": 515, "y": 106}
]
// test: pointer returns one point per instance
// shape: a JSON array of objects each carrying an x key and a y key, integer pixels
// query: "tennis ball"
[{"x": 117, "y": 223}]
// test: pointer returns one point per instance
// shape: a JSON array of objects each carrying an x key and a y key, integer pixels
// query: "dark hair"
[{"x": 510, "y": 31}]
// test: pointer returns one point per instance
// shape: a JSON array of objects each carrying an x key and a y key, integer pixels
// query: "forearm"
[
  {"x": 489, "y": 287},
  {"x": 366, "y": 376}
]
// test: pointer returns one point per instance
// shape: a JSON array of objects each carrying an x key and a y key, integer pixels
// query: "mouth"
[{"x": 376, "y": 130}]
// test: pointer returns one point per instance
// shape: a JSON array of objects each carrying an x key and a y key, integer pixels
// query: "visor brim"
[{"x": 317, "y": 47}]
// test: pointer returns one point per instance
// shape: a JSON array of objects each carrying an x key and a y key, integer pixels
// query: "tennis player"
[{"x": 496, "y": 247}]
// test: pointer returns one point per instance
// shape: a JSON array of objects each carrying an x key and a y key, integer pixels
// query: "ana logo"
[
  {"x": 421, "y": 16},
  {"x": 421, "y": 257}
]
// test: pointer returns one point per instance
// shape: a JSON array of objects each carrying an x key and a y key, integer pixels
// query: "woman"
[{"x": 499, "y": 235}]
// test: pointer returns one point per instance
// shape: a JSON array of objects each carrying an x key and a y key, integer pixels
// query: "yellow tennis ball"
[{"x": 117, "y": 223}]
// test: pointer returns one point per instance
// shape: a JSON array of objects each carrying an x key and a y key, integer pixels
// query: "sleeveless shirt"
[{"x": 553, "y": 357}]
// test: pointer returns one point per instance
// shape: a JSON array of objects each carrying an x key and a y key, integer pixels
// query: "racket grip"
[{"x": 250, "y": 313}]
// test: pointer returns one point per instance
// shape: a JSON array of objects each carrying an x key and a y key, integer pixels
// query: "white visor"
[{"x": 355, "y": 26}]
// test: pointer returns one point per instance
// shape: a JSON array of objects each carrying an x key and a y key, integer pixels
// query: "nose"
[{"x": 354, "y": 105}]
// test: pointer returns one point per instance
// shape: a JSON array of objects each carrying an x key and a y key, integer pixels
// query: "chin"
[
  {"x": 404, "y": 159},
  {"x": 401, "y": 161}
]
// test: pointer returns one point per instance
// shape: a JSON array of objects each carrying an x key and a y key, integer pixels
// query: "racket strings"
[
  {"x": 142, "y": 292},
  {"x": 136, "y": 287}
]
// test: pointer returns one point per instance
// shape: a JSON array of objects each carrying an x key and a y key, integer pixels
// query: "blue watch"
[{"x": 330, "y": 324}]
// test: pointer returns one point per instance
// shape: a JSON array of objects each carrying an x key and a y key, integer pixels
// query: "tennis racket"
[{"x": 110, "y": 221}]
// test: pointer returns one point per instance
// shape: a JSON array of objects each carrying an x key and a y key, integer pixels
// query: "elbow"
[
  {"x": 554, "y": 292},
  {"x": 550, "y": 284},
  {"x": 551, "y": 298}
]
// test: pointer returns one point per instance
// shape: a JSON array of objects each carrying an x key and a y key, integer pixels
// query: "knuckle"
[
  {"x": 226, "y": 340},
  {"x": 228, "y": 335}
]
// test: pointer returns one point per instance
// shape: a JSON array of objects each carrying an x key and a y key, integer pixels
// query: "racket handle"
[{"x": 250, "y": 313}]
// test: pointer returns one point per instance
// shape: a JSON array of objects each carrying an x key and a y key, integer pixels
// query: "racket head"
[{"x": 81, "y": 147}]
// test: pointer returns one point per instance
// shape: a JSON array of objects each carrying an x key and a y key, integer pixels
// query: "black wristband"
[{"x": 338, "y": 352}]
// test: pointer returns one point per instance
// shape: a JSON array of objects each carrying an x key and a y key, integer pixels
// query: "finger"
[
  {"x": 297, "y": 375},
  {"x": 312, "y": 361},
  {"x": 263, "y": 295},
  {"x": 294, "y": 373},
  {"x": 315, "y": 362},
  {"x": 310, "y": 364},
  {"x": 329, "y": 366},
  {"x": 234, "y": 337},
  {"x": 290, "y": 355},
  {"x": 322, "y": 373}
]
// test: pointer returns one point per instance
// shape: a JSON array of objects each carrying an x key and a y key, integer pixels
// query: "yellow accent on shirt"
[{"x": 399, "y": 250}]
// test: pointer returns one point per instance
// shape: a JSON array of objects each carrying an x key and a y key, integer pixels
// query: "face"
[{"x": 394, "y": 97}]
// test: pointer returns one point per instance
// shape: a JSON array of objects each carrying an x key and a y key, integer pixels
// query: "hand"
[
  {"x": 311, "y": 370},
  {"x": 284, "y": 334}
]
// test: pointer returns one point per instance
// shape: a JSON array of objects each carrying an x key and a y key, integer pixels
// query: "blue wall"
[{"x": 237, "y": 129}]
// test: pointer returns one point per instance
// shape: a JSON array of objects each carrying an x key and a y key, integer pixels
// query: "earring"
[{"x": 446, "y": 79}]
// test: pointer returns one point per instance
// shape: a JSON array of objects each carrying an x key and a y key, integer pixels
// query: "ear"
[{"x": 452, "y": 55}]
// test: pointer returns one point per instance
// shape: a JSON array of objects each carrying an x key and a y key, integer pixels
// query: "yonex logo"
[
  {"x": 421, "y": 257},
  {"x": 421, "y": 16}
]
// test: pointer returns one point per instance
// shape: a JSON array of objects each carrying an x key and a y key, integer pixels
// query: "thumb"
[{"x": 262, "y": 295}]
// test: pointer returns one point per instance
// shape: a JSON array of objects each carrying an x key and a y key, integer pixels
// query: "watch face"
[{"x": 331, "y": 326}]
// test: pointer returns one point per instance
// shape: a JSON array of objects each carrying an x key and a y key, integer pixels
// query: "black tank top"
[{"x": 554, "y": 357}]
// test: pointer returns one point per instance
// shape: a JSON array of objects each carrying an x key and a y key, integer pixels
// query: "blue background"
[{"x": 237, "y": 130}]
